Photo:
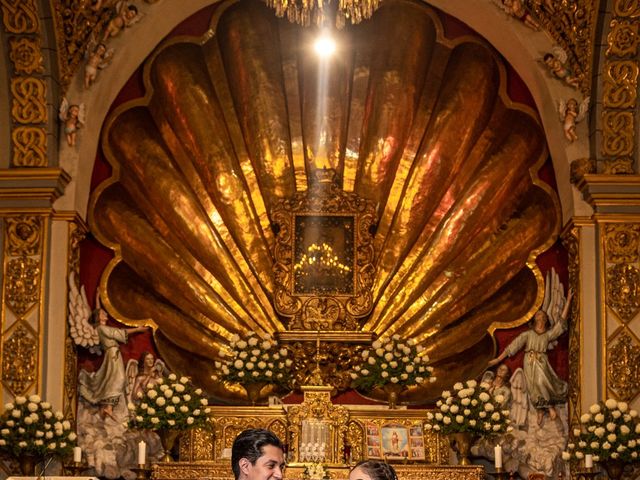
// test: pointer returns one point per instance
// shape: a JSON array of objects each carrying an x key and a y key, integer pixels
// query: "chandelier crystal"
[{"x": 319, "y": 12}]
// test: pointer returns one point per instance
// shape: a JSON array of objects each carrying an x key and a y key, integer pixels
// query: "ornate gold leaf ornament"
[
  {"x": 623, "y": 367},
  {"x": 321, "y": 12}
]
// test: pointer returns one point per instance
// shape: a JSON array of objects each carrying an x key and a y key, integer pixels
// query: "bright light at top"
[{"x": 325, "y": 45}]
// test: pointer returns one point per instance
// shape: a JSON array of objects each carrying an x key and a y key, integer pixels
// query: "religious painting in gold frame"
[{"x": 324, "y": 257}]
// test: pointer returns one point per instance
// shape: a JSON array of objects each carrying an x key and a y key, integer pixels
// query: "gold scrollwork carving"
[
  {"x": 622, "y": 165},
  {"x": 623, "y": 38},
  {"x": 29, "y": 147},
  {"x": 618, "y": 134},
  {"x": 29, "y": 100},
  {"x": 19, "y": 359},
  {"x": 24, "y": 235},
  {"x": 620, "y": 84},
  {"x": 22, "y": 284},
  {"x": 623, "y": 367},
  {"x": 355, "y": 439},
  {"x": 197, "y": 445},
  {"x": 571, "y": 25},
  {"x": 571, "y": 241},
  {"x": 20, "y": 16},
  {"x": 26, "y": 55},
  {"x": 622, "y": 242},
  {"x": 626, "y": 8},
  {"x": 623, "y": 290},
  {"x": 336, "y": 359},
  {"x": 70, "y": 393}
]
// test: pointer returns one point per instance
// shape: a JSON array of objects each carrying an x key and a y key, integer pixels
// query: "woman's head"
[{"x": 373, "y": 470}]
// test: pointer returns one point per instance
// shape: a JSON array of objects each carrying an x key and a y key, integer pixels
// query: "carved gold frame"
[{"x": 333, "y": 311}]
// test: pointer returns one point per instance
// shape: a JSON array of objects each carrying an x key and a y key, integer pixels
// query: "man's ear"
[{"x": 244, "y": 465}]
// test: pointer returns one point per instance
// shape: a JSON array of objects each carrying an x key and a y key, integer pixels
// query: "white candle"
[
  {"x": 77, "y": 454},
  {"x": 497, "y": 452},
  {"x": 588, "y": 460},
  {"x": 142, "y": 453}
]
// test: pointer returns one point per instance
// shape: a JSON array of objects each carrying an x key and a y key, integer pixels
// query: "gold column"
[{"x": 620, "y": 90}]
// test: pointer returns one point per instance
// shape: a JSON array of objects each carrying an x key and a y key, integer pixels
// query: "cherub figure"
[
  {"x": 556, "y": 62},
  {"x": 142, "y": 372},
  {"x": 98, "y": 58},
  {"x": 517, "y": 9},
  {"x": 124, "y": 16},
  {"x": 571, "y": 113},
  {"x": 72, "y": 117},
  {"x": 104, "y": 387},
  {"x": 544, "y": 389}
]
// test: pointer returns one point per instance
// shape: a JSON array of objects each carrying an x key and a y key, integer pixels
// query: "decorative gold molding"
[
  {"x": 26, "y": 56},
  {"x": 571, "y": 241},
  {"x": 623, "y": 367},
  {"x": 572, "y": 25},
  {"x": 29, "y": 100},
  {"x": 19, "y": 359},
  {"x": 619, "y": 87},
  {"x": 622, "y": 242},
  {"x": 20, "y": 16},
  {"x": 623, "y": 290},
  {"x": 29, "y": 147}
]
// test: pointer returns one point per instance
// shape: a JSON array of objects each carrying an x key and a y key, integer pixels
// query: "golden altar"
[{"x": 317, "y": 431}]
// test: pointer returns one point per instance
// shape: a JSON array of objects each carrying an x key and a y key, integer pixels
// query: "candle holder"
[
  {"x": 587, "y": 473},
  {"x": 142, "y": 472},
  {"x": 500, "y": 474},
  {"x": 76, "y": 468}
]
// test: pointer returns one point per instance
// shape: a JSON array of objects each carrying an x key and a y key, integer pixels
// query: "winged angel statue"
[
  {"x": 105, "y": 386},
  {"x": 536, "y": 379},
  {"x": 535, "y": 389}
]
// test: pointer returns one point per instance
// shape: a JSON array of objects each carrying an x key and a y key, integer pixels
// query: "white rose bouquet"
[
  {"x": 469, "y": 408},
  {"x": 609, "y": 431},
  {"x": 29, "y": 426},
  {"x": 169, "y": 403},
  {"x": 255, "y": 360},
  {"x": 391, "y": 361}
]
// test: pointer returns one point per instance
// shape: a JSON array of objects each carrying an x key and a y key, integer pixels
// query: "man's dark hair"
[{"x": 248, "y": 444}]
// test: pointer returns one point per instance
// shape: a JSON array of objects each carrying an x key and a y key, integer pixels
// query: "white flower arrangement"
[
  {"x": 391, "y": 361},
  {"x": 609, "y": 431},
  {"x": 315, "y": 471},
  {"x": 30, "y": 426},
  {"x": 169, "y": 403},
  {"x": 469, "y": 408},
  {"x": 255, "y": 360}
]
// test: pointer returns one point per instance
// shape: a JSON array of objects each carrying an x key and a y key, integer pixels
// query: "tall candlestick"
[
  {"x": 588, "y": 461},
  {"x": 142, "y": 453},
  {"x": 497, "y": 451},
  {"x": 77, "y": 454}
]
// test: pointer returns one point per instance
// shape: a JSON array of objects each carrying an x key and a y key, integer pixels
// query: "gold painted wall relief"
[
  {"x": 621, "y": 243},
  {"x": 22, "y": 288}
]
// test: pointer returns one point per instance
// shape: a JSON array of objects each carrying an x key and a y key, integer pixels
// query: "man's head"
[{"x": 257, "y": 454}]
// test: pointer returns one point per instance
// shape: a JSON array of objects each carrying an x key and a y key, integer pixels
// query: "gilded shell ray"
[{"x": 234, "y": 123}]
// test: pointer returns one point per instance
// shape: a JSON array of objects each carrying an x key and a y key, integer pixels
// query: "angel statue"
[
  {"x": 72, "y": 118},
  {"x": 543, "y": 387},
  {"x": 124, "y": 15},
  {"x": 98, "y": 57},
  {"x": 146, "y": 370},
  {"x": 105, "y": 386},
  {"x": 517, "y": 9},
  {"x": 571, "y": 113},
  {"x": 556, "y": 62}
]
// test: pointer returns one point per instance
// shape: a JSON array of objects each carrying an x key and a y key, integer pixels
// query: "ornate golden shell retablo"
[{"x": 237, "y": 124}]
